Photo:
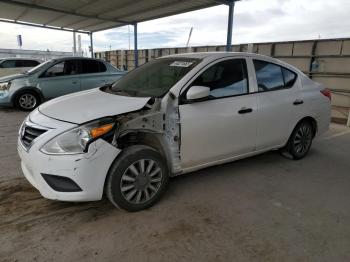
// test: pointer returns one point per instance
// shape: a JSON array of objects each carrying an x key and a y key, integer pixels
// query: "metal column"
[
  {"x": 229, "y": 26},
  {"x": 136, "y": 52},
  {"x": 74, "y": 44},
  {"x": 91, "y": 45}
]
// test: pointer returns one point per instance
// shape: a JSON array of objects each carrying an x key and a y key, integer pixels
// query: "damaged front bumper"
[{"x": 78, "y": 177}]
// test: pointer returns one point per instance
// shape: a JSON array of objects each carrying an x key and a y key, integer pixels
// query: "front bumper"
[
  {"x": 88, "y": 170},
  {"x": 5, "y": 98}
]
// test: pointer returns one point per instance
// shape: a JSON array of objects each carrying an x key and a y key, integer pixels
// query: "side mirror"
[{"x": 197, "y": 92}]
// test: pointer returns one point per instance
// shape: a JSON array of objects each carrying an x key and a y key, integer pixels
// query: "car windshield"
[
  {"x": 154, "y": 79},
  {"x": 38, "y": 67}
]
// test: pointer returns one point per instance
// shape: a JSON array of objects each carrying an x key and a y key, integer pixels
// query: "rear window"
[
  {"x": 92, "y": 66},
  {"x": 289, "y": 77},
  {"x": 8, "y": 64},
  {"x": 272, "y": 77},
  {"x": 26, "y": 63}
]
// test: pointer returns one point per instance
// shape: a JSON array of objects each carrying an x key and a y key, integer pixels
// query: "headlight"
[
  {"x": 76, "y": 141},
  {"x": 5, "y": 86}
]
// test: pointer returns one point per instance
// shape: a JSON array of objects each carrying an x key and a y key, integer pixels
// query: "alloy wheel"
[
  {"x": 27, "y": 101},
  {"x": 141, "y": 181},
  {"x": 302, "y": 139}
]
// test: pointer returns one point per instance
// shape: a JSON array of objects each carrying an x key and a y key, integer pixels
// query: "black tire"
[
  {"x": 300, "y": 141},
  {"x": 32, "y": 98},
  {"x": 119, "y": 184}
]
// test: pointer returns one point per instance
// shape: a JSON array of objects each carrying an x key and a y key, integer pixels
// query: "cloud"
[{"x": 254, "y": 21}]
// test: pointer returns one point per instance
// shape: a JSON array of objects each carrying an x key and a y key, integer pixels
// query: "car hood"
[
  {"x": 11, "y": 77},
  {"x": 89, "y": 105}
]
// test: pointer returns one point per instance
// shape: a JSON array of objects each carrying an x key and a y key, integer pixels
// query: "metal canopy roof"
[{"x": 87, "y": 16}]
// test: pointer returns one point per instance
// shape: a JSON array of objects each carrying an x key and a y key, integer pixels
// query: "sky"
[{"x": 254, "y": 21}]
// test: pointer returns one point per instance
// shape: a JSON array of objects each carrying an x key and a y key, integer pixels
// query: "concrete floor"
[{"x": 265, "y": 208}]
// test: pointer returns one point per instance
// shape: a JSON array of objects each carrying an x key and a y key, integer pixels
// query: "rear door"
[
  {"x": 93, "y": 74},
  {"x": 279, "y": 103},
  {"x": 60, "y": 79}
]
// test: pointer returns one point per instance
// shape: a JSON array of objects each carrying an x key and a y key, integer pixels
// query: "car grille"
[{"x": 29, "y": 133}]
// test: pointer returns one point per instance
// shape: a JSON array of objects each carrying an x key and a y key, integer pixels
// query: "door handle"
[
  {"x": 245, "y": 110},
  {"x": 298, "y": 102},
  {"x": 74, "y": 82}
]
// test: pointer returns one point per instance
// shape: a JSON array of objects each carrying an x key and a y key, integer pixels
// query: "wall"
[
  {"x": 325, "y": 61},
  {"x": 43, "y": 55}
]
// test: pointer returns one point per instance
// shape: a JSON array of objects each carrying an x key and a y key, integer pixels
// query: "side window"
[
  {"x": 9, "y": 64},
  {"x": 102, "y": 66},
  {"x": 92, "y": 66},
  {"x": 226, "y": 78},
  {"x": 19, "y": 63},
  {"x": 64, "y": 68},
  {"x": 289, "y": 77},
  {"x": 29, "y": 63},
  {"x": 269, "y": 76},
  {"x": 273, "y": 77}
]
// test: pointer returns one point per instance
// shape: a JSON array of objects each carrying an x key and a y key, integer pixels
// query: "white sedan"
[{"x": 168, "y": 117}]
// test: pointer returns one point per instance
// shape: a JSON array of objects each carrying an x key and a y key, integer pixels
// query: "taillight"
[{"x": 326, "y": 92}]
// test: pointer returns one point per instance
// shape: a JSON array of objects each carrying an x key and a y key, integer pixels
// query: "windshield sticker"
[{"x": 181, "y": 64}]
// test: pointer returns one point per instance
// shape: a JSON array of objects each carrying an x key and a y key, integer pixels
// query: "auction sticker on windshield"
[{"x": 181, "y": 64}]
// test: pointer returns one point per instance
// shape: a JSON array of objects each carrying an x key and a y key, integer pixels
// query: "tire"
[
  {"x": 300, "y": 141},
  {"x": 27, "y": 101},
  {"x": 128, "y": 188}
]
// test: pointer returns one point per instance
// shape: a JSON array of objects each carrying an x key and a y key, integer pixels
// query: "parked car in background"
[
  {"x": 55, "y": 78},
  {"x": 168, "y": 117},
  {"x": 10, "y": 66}
]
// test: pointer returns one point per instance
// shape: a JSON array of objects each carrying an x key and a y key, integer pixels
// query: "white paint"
[{"x": 212, "y": 131}]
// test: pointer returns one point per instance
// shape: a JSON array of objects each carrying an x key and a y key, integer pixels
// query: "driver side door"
[
  {"x": 223, "y": 126},
  {"x": 60, "y": 79}
]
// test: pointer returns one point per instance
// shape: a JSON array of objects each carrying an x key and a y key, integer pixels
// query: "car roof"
[
  {"x": 76, "y": 57},
  {"x": 217, "y": 55},
  {"x": 202, "y": 55},
  {"x": 20, "y": 58}
]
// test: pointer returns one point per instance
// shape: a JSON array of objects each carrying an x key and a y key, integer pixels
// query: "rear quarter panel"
[{"x": 317, "y": 105}]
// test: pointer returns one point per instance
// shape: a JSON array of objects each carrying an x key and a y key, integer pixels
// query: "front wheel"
[
  {"x": 137, "y": 178},
  {"x": 300, "y": 141},
  {"x": 27, "y": 101}
]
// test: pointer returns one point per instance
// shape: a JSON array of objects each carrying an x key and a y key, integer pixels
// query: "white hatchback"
[{"x": 168, "y": 117}]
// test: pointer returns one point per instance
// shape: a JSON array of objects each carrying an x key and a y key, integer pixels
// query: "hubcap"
[
  {"x": 141, "y": 181},
  {"x": 27, "y": 101},
  {"x": 302, "y": 139}
]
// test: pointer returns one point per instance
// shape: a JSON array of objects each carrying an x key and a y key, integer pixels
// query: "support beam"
[
  {"x": 74, "y": 44},
  {"x": 91, "y": 46},
  {"x": 230, "y": 26},
  {"x": 136, "y": 52}
]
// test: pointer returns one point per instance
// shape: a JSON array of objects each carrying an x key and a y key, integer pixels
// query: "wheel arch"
[
  {"x": 312, "y": 121},
  {"x": 309, "y": 119},
  {"x": 27, "y": 89},
  {"x": 146, "y": 138}
]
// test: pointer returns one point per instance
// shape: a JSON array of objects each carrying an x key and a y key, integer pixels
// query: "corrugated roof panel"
[
  {"x": 161, "y": 11},
  {"x": 90, "y": 15},
  {"x": 38, "y": 16},
  {"x": 98, "y": 27},
  {"x": 64, "y": 20},
  {"x": 10, "y": 11}
]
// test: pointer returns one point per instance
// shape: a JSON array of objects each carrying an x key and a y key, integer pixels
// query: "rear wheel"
[
  {"x": 27, "y": 101},
  {"x": 137, "y": 178},
  {"x": 300, "y": 141}
]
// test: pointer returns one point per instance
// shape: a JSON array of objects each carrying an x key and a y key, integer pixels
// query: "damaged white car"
[{"x": 170, "y": 116}]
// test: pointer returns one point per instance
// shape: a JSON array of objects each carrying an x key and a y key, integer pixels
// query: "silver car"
[
  {"x": 55, "y": 78},
  {"x": 15, "y": 65}
]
